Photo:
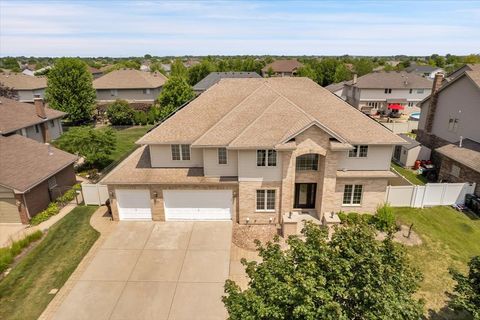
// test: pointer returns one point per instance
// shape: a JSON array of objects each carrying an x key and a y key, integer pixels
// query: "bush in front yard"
[
  {"x": 52, "y": 210},
  {"x": 8, "y": 254},
  {"x": 355, "y": 218},
  {"x": 384, "y": 220},
  {"x": 120, "y": 113}
]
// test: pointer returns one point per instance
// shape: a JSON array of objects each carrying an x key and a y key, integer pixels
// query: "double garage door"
[{"x": 134, "y": 204}]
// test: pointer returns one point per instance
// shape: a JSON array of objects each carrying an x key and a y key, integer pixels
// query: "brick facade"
[{"x": 466, "y": 174}]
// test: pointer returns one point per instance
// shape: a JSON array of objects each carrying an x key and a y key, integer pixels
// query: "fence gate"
[{"x": 94, "y": 194}]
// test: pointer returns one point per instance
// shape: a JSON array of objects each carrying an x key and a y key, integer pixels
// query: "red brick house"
[{"x": 32, "y": 174}]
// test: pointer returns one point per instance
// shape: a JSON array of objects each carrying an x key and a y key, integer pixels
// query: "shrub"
[
  {"x": 140, "y": 118},
  {"x": 67, "y": 197},
  {"x": 384, "y": 220},
  {"x": 8, "y": 254},
  {"x": 352, "y": 218},
  {"x": 51, "y": 210},
  {"x": 120, "y": 113}
]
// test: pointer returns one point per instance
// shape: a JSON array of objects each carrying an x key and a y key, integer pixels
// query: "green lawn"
[
  {"x": 450, "y": 239},
  {"x": 24, "y": 292},
  {"x": 410, "y": 175},
  {"x": 126, "y": 140}
]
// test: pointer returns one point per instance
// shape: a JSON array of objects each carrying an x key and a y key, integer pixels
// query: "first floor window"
[
  {"x": 222, "y": 155},
  {"x": 352, "y": 194},
  {"x": 265, "y": 200},
  {"x": 420, "y": 90},
  {"x": 266, "y": 158},
  {"x": 180, "y": 151},
  {"x": 37, "y": 129},
  {"x": 146, "y": 91},
  {"x": 113, "y": 92}
]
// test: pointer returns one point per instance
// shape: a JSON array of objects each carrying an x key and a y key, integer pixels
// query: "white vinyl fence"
[
  {"x": 431, "y": 194},
  {"x": 94, "y": 194},
  {"x": 401, "y": 127}
]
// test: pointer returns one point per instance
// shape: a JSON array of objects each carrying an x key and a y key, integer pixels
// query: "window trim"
[
  {"x": 180, "y": 151},
  {"x": 357, "y": 148},
  {"x": 351, "y": 204},
  {"x": 265, "y": 200},
  {"x": 226, "y": 156},
  {"x": 266, "y": 158}
]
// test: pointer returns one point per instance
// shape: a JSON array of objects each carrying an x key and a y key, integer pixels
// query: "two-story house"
[
  {"x": 426, "y": 71},
  {"x": 449, "y": 125},
  {"x": 130, "y": 85},
  {"x": 376, "y": 91},
  {"x": 32, "y": 121},
  {"x": 252, "y": 150},
  {"x": 27, "y": 88},
  {"x": 282, "y": 68}
]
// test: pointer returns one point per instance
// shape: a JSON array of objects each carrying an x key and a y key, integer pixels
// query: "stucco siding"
[
  {"x": 460, "y": 101},
  {"x": 128, "y": 94},
  {"x": 214, "y": 169},
  {"x": 161, "y": 157},
  {"x": 378, "y": 158},
  {"x": 248, "y": 170}
]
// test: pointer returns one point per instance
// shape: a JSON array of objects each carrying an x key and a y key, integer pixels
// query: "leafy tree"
[
  {"x": 466, "y": 295},
  {"x": 157, "y": 67},
  {"x": 11, "y": 64},
  {"x": 175, "y": 92},
  {"x": 351, "y": 277},
  {"x": 8, "y": 92},
  {"x": 178, "y": 69},
  {"x": 148, "y": 56},
  {"x": 120, "y": 113},
  {"x": 341, "y": 73},
  {"x": 472, "y": 58},
  {"x": 199, "y": 71},
  {"x": 70, "y": 89},
  {"x": 306, "y": 71},
  {"x": 363, "y": 66},
  {"x": 94, "y": 145}
]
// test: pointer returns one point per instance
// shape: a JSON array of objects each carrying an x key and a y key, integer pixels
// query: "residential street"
[{"x": 145, "y": 270}]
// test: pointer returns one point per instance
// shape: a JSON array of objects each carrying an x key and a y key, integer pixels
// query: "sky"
[{"x": 134, "y": 28}]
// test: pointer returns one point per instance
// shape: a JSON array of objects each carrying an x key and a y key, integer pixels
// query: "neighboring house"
[
  {"x": 375, "y": 92},
  {"x": 128, "y": 84},
  {"x": 213, "y": 77},
  {"x": 338, "y": 88},
  {"x": 35, "y": 122},
  {"x": 460, "y": 71},
  {"x": 167, "y": 67},
  {"x": 32, "y": 175},
  {"x": 27, "y": 87},
  {"x": 449, "y": 125},
  {"x": 407, "y": 154},
  {"x": 96, "y": 73},
  {"x": 282, "y": 68},
  {"x": 426, "y": 71},
  {"x": 252, "y": 150}
]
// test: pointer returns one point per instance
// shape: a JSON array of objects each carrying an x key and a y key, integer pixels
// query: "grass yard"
[
  {"x": 450, "y": 239},
  {"x": 410, "y": 175},
  {"x": 24, "y": 292},
  {"x": 126, "y": 140}
]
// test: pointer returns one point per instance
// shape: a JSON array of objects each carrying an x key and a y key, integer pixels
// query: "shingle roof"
[
  {"x": 393, "y": 80},
  {"x": 243, "y": 113},
  {"x": 137, "y": 169},
  {"x": 15, "y": 115},
  {"x": 420, "y": 68},
  {"x": 337, "y": 86},
  {"x": 130, "y": 79},
  {"x": 412, "y": 143},
  {"x": 284, "y": 65},
  {"x": 214, "y": 77},
  {"x": 468, "y": 154},
  {"x": 25, "y": 162},
  {"x": 20, "y": 81}
]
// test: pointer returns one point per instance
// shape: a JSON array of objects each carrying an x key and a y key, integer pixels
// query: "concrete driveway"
[{"x": 162, "y": 270}]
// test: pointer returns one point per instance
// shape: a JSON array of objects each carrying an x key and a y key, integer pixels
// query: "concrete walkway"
[{"x": 147, "y": 270}]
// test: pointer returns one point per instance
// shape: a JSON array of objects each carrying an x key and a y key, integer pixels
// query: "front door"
[{"x": 305, "y": 195}]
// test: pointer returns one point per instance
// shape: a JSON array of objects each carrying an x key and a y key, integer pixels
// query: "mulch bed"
[{"x": 244, "y": 235}]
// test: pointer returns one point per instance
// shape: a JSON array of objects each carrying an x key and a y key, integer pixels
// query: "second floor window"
[
  {"x": 420, "y": 91},
  {"x": 266, "y": 158},
  {"x": 113, "y": 92},
  {"x": 358, "y": 152},
  {"x": 146, "y": 91},
  {"x": 307, "y": 162},
  {"x": 222, "y": 156},
  {"x": 388, "y": 90},
  {"x": 37, "y": 129},
  {"x": 453, "y": 124},
  {"x": 180, "y": 151}
]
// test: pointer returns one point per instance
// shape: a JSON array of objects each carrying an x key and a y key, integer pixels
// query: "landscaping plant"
[
  {"x": 353, "y": 276},
  {"x": 120, "y": 113},
  {"x": 384, "y": 219},
  {"x": 466, "y": 296}
]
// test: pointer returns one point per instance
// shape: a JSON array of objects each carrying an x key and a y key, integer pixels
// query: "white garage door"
[
  {"x": 133, "y": 204},
  {"x": 198, "y": 204}
]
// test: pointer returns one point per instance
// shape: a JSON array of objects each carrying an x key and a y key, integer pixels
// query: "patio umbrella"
[{"x": 396, "y": 107}]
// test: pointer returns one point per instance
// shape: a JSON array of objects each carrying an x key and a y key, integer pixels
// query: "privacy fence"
[
  {"x": 94, "y": 194},
  {"x": 431, "y": 194}
]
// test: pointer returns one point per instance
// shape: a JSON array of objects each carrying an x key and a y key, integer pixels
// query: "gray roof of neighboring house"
[
  {"x": 130, "y": 79},
  {"x": 214, "y": 77},
  {"x": 421, "y": 69},
  {"x": 337, "y": 86},
  {"x": 468, "y": 154},
  {"x": 15, "y": 115},
  {"x": 25, "y": 162},
  {"x": 393, "y": 80},
  {"x": 412, "y": 143},
  {"x": 266, "y": 112},
  {"x": 20, "y": 81}
]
